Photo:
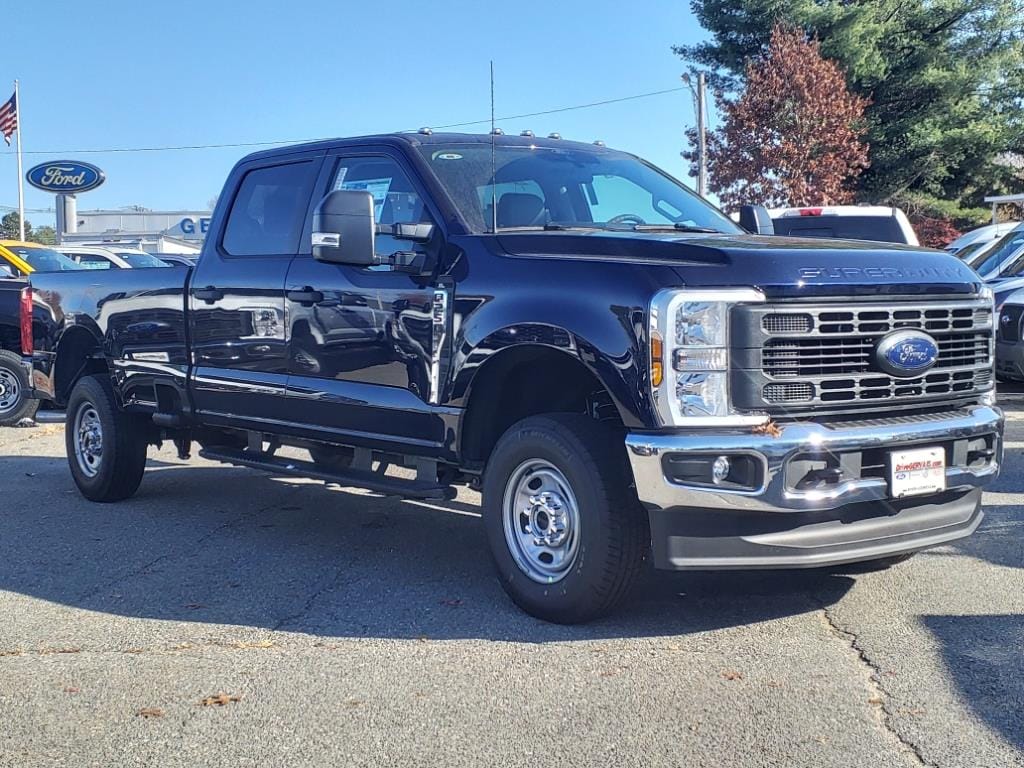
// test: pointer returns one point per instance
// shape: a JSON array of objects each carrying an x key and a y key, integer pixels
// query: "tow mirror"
[
  {"x": 344, "y": 228},
  {"x": 756, "y": 220}
]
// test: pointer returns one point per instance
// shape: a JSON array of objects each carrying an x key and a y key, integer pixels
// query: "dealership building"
[{"x": 153, "y": 231}]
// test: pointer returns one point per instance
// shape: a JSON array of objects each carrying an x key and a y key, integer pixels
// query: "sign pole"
[{"x": 21, "y": 181}]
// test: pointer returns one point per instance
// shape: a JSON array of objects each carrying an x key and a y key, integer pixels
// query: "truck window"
[
  {"x": 395, "y": 200},
  {"x": 268, "y": 212}
]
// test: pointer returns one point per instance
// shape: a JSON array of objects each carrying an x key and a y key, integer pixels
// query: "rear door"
[
  {"x": 236, "y": 297},
  {"x": 363, "y": 350}
]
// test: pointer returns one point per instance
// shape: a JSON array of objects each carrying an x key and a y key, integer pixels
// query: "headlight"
[{"x": 689, "y": 346}]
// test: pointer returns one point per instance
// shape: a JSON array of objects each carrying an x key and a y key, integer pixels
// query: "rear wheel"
[
  {"x": 15, "y": 403},
  {"x": 566, "y": 531},
  {"x": 106, "y": 447}
]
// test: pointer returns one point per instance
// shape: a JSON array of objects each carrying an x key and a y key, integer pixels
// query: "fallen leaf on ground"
[
  {"x": 149, "y": 712},
  {"x": 875, "y": 701},
  {"x": 242, "y": 644},
  {"x": 354, "y": 703},
  {"x": 774, "y": 684},
  {"x": 71, "y": 689},
  {"x": 732, "y": 675},
  {"x": 219, "y": 700}
]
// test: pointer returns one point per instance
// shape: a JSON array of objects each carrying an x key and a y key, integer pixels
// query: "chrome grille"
[{"x": 824, "y": 354}]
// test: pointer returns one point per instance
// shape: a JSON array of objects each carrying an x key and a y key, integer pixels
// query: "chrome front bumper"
[
  {"x": 646, "y": 452},
  {"x": 777, "y": 525}
]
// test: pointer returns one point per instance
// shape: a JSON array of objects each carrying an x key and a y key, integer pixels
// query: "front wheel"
[
  {"x": 566, "y": 531},
  {"x": 106, "y": 447}
]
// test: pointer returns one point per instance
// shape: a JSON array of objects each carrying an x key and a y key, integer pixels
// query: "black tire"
[
  {"x": 15, "y": 403},
  {"x": 612, "y": 536},
  {"x": 332, "y": 457},
  {"x": 117, "y": 472}
]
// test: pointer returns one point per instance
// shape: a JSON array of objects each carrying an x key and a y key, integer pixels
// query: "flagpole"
[{"x": 21, "y": 180}]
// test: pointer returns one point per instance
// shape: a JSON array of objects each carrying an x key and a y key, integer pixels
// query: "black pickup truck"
[{"x": 624, "y": 372}]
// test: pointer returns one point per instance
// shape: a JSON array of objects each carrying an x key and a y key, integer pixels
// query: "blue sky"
[{"x": 110, "y": 73}]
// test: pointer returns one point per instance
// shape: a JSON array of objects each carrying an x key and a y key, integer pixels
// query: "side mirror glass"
[
  {"x": 344, "y": 229},
  {"x": 756, "y": 220}
]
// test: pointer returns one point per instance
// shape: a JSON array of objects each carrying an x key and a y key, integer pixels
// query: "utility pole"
[{"x": 700, "y": 107}]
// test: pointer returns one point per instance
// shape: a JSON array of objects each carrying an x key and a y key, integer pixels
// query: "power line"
[{"x": 185, "y": 147}]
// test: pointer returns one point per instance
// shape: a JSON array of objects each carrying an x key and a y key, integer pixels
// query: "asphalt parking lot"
[{"x": 228, "y": 617}]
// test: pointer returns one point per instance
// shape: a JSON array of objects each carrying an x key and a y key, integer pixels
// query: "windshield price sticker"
[{"x": 916, "y": 472}]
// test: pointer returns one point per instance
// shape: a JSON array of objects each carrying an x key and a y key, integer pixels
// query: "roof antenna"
[{"x": 494, "y": 194}]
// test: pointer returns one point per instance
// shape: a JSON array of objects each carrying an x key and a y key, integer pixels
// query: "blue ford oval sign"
[
  {"x": 65, "y": 176},
  {"x": 906, "y": 353}
]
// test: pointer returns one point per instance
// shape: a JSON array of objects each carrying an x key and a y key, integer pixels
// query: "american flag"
[{"x": 9, "y": 118}]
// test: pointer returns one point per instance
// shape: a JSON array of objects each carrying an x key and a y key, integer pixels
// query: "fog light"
[{"x": 720, "y": 469}]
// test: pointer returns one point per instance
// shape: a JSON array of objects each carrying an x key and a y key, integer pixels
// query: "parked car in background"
[
  {"x": 94, "y": 257},
  {"x": 1001, "y": 259},
  {"x": 177, "y": 259},
  {"x": 19, "y": 259},
  {"x": 980, "y": 237},
  {"x": 880, "y": 223},
  {"x": 1010, "y": 338},
  {"x": 968, "y": 252}
]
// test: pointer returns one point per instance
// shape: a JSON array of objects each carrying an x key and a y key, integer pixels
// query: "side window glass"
[
  {"x": 268, "y": 212},
  {"x": 395, "y": 200},
  {"x": 91, "y": 261}
]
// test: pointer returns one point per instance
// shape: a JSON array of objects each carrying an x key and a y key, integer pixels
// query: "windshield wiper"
[{"x": 678, "y": 227}]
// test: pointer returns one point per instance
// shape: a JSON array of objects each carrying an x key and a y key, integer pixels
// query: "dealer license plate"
[{"x": 912, "y": 473}]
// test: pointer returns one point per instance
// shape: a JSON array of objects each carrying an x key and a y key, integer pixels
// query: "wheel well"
[
  {"x": 75, "y": 359},
  {"x": 527, "y": 381}
]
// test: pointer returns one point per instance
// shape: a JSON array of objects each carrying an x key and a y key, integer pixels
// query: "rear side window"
[
  {"x": 268, "y": 212},
  {"x": 885, "y": 229}
]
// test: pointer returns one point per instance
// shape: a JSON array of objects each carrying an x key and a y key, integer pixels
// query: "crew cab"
[{"x": 625, "y": 373}]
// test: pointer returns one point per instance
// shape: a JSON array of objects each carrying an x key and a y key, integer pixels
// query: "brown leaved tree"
[{"x": 794, "y": 135}]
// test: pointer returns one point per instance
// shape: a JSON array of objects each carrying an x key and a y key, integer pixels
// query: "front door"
[
  {"x": 362, "y": 341},
  {"x": 236, "y": 298}
]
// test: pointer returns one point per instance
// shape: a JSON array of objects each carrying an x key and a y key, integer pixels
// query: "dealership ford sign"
[{"x": 65, "y": 177}]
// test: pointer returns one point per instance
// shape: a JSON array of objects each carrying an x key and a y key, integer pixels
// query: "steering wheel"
[{"x": 625, "y": 218}]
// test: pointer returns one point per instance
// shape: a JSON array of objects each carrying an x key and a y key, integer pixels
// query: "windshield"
[
  {"x": 1002, "y": 249},
  {"x": 139, "y": 260},
  {"x": 544, "y": 187},
  {"x": 44, "y": 259}
]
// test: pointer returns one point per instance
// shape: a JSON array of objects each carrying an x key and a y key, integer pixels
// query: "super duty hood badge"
[{"x": 880, "y": 273}]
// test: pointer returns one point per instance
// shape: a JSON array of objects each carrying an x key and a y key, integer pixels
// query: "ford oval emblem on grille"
[{"x": 906, "y": 353}]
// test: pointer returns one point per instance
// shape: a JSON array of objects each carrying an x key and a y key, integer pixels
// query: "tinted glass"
[
  {"x": 44, "y": 259},
  {"x": 268, "y": 211},
  {"x": 140, "y": 260},
  {"x": 884, "y": 229},
  {"x": 92, "y": 261},
  {"x": 1003, "y": 248},
  {"x": 395, "y": 200},
  {"x": 570, "y": 186}
]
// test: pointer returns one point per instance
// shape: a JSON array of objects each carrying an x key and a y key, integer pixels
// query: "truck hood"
[{"x": 780, "y": 266}]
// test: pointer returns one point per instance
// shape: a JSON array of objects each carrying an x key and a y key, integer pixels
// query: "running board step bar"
[{"x": 371, "y": 481}]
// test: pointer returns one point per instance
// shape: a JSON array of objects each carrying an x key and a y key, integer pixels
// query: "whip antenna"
[{"x": 494, "y": 194}]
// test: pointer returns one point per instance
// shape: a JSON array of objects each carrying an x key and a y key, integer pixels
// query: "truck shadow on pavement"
[
  {"x": 983, "y": 656},
  {"x": 231, "y": 546}
]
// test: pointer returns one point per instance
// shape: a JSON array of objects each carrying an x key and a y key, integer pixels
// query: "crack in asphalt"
[
  {"x": 882, "y": 712},
  {"x": 327, "y": 586},
  {"x": 140, "y": 570}
]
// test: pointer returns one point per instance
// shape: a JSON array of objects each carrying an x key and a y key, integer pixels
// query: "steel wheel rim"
[
  {"x": 10, "y": 390},
  {"x": 541, "y": 520},
  {"x": 88, "y": 436}
]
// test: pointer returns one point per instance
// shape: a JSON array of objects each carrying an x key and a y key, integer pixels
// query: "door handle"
[
  {"x": 209, "y": 294},
  {"x": 305, "y": 296}
]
